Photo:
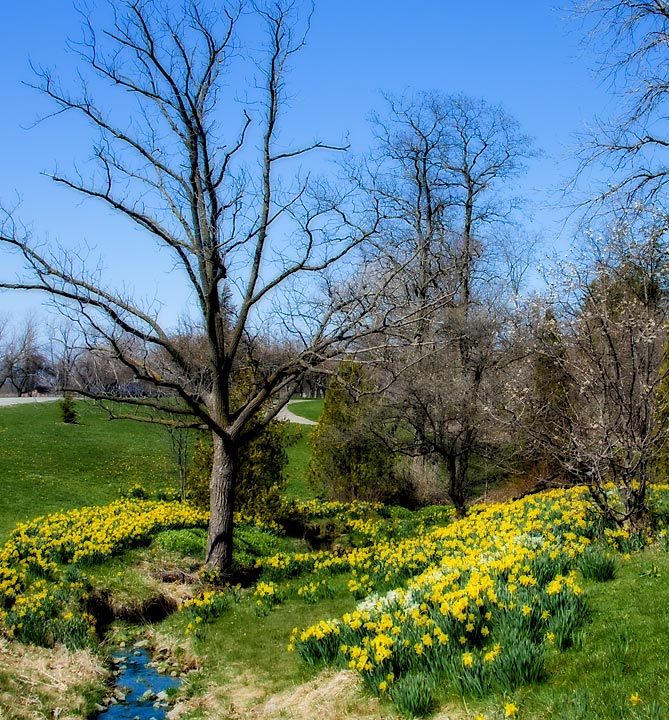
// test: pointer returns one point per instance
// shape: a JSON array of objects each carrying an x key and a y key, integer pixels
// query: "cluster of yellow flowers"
[
  {"x": 267, "y": 596},
  {"x": 365, "y": 528},
  {"x": 35, "y": 585},
  {"x": 203, "y": 608},
  {"x": 265, "y": 524},
  {"x": 314, "y": 591},
  {"x": 90, "y": 534},
  {"x": 464, "y": 596},
  {"x": 202, "y": 603}
]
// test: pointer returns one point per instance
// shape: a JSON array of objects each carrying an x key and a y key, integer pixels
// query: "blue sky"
[{"x": 526, "y": 55}]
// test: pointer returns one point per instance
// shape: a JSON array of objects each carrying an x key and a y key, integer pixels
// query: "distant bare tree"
[
  {"x": 441, "y": 174},
  {"x": 209, "y": 179},
  {"x": 633, "y": 37},
  {"x": 24, "y": 365},
  {"x": 66, "y": 352},
  {"x": 182, "y": 444}
]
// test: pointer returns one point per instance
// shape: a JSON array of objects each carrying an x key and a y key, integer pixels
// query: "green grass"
[
  {"x": 622, "y": 651},
  {"x": 240, "y": 642},
  {"x": 299, "y": 452},
  {"x": 309, "y": 409},
  {"x": 46, "y": 465}
]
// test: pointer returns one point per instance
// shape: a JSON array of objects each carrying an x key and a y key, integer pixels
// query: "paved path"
[
  {"x": 9, "y": 401},
  {"x": 286, "y": 414}
]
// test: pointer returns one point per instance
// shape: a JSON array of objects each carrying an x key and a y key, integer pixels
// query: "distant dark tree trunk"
[{"x": 457, "y": 461}]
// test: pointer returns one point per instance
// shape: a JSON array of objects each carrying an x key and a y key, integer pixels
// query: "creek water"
[{"x": 143, "y": 686}]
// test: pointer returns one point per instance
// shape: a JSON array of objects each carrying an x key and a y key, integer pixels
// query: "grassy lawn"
[
  {"x": 309, "y": 409},
  {"x": 624, "y": 650},
  {"x": 240, "y": 643},
  {"x": 46, "y": 465},
  {"x": 299, "y": 452}
]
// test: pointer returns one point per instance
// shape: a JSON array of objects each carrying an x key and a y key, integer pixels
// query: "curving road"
[{"x": 286, "y": 414}]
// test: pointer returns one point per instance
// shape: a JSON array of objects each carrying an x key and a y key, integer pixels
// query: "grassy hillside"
[
  {"x": 620, "y": 666},
  {"x": 620, "y": 654},
  {"x": 46, "y": 465},
  {"x": 299, "y": 449}
]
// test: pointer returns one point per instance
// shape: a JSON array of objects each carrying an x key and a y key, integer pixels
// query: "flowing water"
[{"x": 144, "y": 688}]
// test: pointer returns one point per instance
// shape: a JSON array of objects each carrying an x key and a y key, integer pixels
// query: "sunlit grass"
[
  {"x": 241, "y": 642},
  {"x": 299, "y": 452},
  {"x": 309, "y": 409},
  {"x": 619, "y": 668},
  {"x": 46, "y": 465},
  {"x": 621, "y": 654}
]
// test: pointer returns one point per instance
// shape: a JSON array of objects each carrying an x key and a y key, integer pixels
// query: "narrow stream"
[{"x": 144, "y": 688}]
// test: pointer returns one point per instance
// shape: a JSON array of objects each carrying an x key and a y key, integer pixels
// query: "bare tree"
[
  {"x": 633, "y": 37},
  {"x": 66, "y": 352},
  {"x": 209, "y": 179},
  {"x": 24, "y": 365},
  {"x": 447, "y": 397},
  {"x": 441, "y": 173}
]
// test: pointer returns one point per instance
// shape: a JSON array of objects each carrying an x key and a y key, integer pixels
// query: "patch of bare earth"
[{"x": 46, "y": 683}]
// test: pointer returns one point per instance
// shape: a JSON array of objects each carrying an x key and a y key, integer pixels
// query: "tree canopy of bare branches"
[
  {"x": 441, "y": 173},
  {"x": 633, "y": 36},
  {"x": 207, "y": 177}
]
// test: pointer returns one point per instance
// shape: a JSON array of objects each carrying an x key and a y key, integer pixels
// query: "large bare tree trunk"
[{"x": 222, "y": 497}]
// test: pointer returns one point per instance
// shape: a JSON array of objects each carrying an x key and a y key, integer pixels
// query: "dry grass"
[
  {"x": 51, "y": 683},
  {"x": 329, "y": 696}
]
